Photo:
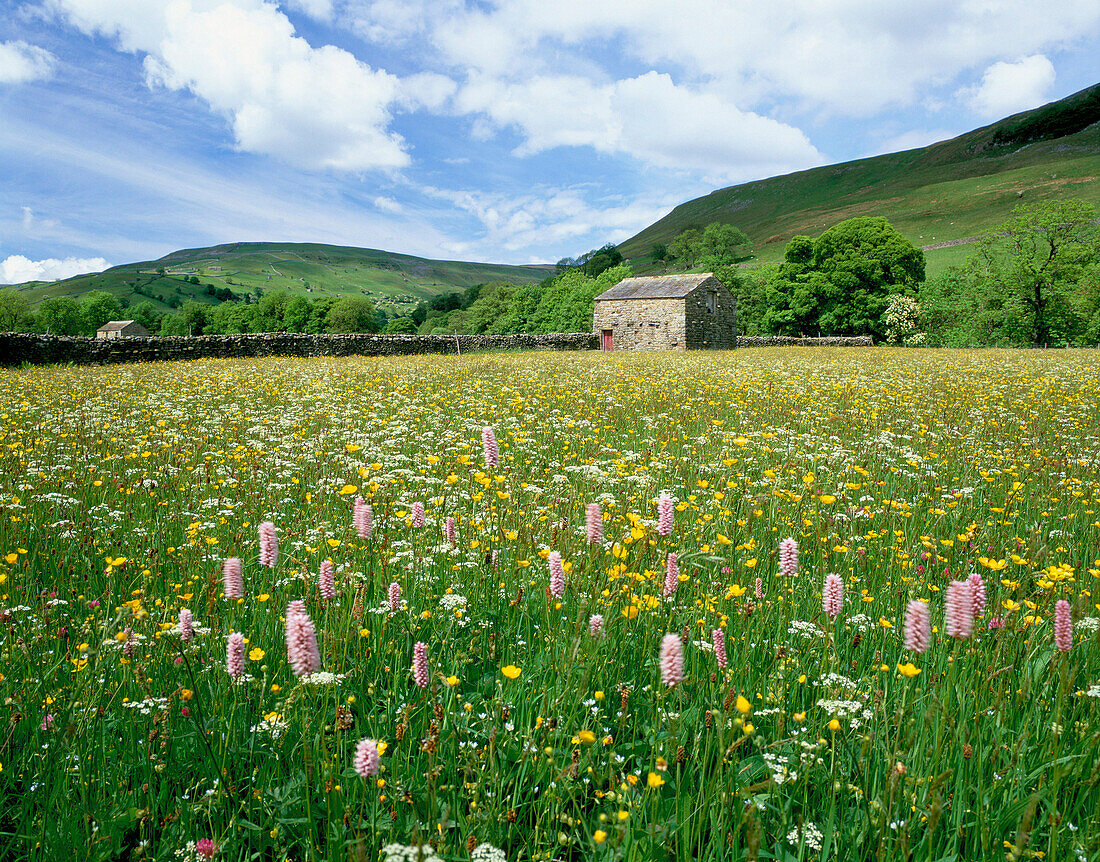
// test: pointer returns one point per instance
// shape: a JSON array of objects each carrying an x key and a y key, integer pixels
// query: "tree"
[
  {"x": 1036, "y": 259},
  {"x": 352, "y": 314},
  {"x": 723, "y": 244},
  {"x": 15, "y": 311},
  {"x": 839, "y": 283},
  {"x": 97, "y": 308},
  {"x": 147, "y": 315},
  {"x": 296, "y": 314},
  {"x": 193, "y": 317},
  {"x": 270, "y": 310},
  {"x": 687, "y": 247},
  {"x": 602, "y": 259},
  {"x": 59, "y": 315},
  {"x": 400, "y": 326}
]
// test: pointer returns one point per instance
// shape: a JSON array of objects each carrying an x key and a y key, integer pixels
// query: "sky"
[{"x": 508, "y": 131}]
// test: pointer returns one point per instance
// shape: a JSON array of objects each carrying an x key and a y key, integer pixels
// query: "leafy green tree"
[
  {"x": 722, "y": 245},
  {"x": 493, "y": 303},
  {"x": 59, "y": 315},
  {"x": 97, "y": 308},
  {"x": 230, "y": 318},
  {"x": 840, "y": 283},
  {"x": 318, "y": 316},
  {"x": 566, "y": 304},
  {"x": 15, "y": 311},
  {"x": 1035, "y": 260},
  {"x": 352, "y": 314},
  {"x": 147, "y": 315},
  {"x": 687, "y": 247},
  {"x": 270, "y": 310},
  {"x": 193, "y": 317},
  {"x": 400, "y": 326},
  {"x": 602, "y": 259},
  {"x": 521, "y": 310},
  {"x": 296, "y": 314}
]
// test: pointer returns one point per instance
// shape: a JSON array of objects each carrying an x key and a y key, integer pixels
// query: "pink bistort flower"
[
  {"x": 326, "y": 581},
  {"x": 362, "y": 518},
  {"x": 672, "y": 577},
  {"x": 788, "y": 557},
  {"x": 234, "y": 655},
  {"x": 1063, "y": 626},
  {"x": 232, "y": 578},
  {"x": 664, "y": 515},
  {"x": 672, "y": 660},
  {"x": 418, "y": 514},
  {"x": 301, "y": 640},
  {"x": 420, "y": 664},
  {"x": 832, "y": 595},
  {"x": 187, "y": 630},
  {"x": 593, "y": 524},
  {"x": 489, "y": 447},
  {"x": 718, "y": 637},
  {"x": 959, "y": 610},
  {"x": 394, "y": 597},
  {"x": 449, "y": 531},
  {"x": 269, "y": 545},
  {"x": 366, "y": 758},
  {"x": 557, "y": 575},
  {"x": 918, "y": 633},
  {"x": 595, "y": 625}
]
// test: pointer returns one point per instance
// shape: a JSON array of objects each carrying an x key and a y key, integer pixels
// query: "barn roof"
[
  {"x": 114, "y": 325},
  {"x": 655, "y": 287}
]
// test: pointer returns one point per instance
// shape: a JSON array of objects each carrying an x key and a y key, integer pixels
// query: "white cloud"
[
  {"x": 548, "y": 218},
  {"x": 17, "y": 269},
  {"x": 312, "y": 107},
  {"x": 840, "y": 57},
  {"x": 20, "y": 63},
  {"x": 1008, "y": 88},
  {"x": 320, "y": 10},
  {"x": 649, "y": 118}
]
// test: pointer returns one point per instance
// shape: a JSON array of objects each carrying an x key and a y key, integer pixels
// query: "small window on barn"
[{"x": 712, "y": 301}]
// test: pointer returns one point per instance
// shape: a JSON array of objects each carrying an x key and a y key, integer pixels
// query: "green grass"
[
  {"x": 945, "y": 191},
  {"x": 123, "y": 490}
]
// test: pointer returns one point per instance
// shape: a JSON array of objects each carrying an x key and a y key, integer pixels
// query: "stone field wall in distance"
[{"x": 17, "y": 348}]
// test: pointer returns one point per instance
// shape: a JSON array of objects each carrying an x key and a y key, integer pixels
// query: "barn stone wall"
[
  {"x": 642, "y": 324},
  {"x": 707, "y": 330}
]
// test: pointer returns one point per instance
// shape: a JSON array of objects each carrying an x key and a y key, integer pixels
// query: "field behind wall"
[{"x": 553, "y": 727}]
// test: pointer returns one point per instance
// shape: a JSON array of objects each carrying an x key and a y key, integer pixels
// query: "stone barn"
[
  {"x": 666, "y": 312},
  {"x": 122, "y": 329}
]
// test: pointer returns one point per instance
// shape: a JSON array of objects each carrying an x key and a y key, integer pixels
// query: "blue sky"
[{"x": 510, "y": 131}]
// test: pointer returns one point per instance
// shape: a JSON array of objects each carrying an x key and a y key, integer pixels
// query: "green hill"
[
  {"x": 393, "y": 281},
  {"x": 942, "y": 193}
]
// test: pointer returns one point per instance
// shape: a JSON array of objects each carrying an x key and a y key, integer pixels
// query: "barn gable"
[{"x": 667, "y": 312}]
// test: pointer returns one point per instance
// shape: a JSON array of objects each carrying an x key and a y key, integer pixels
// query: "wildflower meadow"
[{"x": 802, "y": 604}]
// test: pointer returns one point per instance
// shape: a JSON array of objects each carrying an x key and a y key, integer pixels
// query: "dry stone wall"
[{"x": 20, "y": 348}]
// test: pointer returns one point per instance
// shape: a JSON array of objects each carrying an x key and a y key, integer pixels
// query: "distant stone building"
[
  {"x": 122, "y": 329},
  {"x": 666, "y": 312}
]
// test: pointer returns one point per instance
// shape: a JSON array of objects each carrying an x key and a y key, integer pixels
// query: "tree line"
[
  {"x": 1033, "y": 279},
  {"x": 278, "y": 311}
]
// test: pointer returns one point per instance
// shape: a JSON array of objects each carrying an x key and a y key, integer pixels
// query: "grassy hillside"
[
  {"x": 946, "y": 191},
  {"x": 393, "y": 281}
]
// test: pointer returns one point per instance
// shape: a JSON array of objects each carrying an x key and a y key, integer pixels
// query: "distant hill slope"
[
  {"x": 395, "y": 281},
  {"x": 946, "y": 191}
]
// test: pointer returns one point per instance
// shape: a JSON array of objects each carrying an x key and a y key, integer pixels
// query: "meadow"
[{"x": 801, "y": 604}]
